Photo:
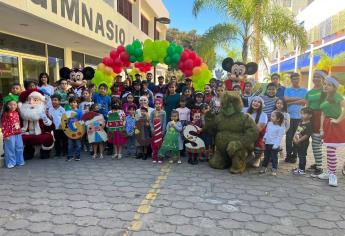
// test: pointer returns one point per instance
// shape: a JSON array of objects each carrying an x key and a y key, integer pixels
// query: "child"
[
  {"x": 196, "y": 109},
  {"x": 142, "y": 133},
  {"x": 129, "y": 102},
  {"x": 215, "y": 102},
  {"x": 55, "y": 112},
  {"x": 208, "y": 94},
  {"x": 172, "y": 140},
  {"x": 86, "y": 101},
  {"x": 116, "y": 127},
  {"x": 12, "y": 134},
  {"x": 95, "y": 132},
  {"x": 115, "y": 91},
  {"x": 130, "y": 128},
  {"x": 183, "y": 112},
  {"x": 171, "y": 100},
  {"x": 272, "y": 138},
  {"x": 74, "y": 145},
  {"x": 301, "y": 139},
  {"x": 281, "y": 106},
  {"x": 270, "y": 99},
  {"x": 102, "y": 99},
  {"x": 187, "y": 96},
  {"x": 62, "y": 91},
  {"x": 157, "y": 123}
]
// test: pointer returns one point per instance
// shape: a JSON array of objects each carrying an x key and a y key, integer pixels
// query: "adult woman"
[
  {"x": 43, "y": 84},
  {"x": 332, "y": 127},
  {"x": 255, "y": 109},
  {"x": 313, "y": 98}
]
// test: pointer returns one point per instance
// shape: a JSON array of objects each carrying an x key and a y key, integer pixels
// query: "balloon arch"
[{"x": 149, "y": 54}]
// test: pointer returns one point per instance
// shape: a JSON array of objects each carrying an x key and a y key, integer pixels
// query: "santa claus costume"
[{"x": 37, "y": 127}]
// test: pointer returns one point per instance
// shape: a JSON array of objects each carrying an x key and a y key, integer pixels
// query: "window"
[
  {"x": 124, "y": 7},
  {"x": 16, "y": 44},
  {"x": 9, "y": 74},
  {"x": 144, "y": 25},
  {"x": 92, "y": 61},
  {"x": 55, "y": 62},
  {"x": 157, "y": 35},
  {"x": 109, "y": 2},
  {"x": 77, "y": 59}
]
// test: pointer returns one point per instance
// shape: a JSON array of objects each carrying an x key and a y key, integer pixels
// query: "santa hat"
[{"x": 31, "y": 93}]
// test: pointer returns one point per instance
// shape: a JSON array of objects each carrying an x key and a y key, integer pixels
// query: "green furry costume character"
[{"x": 235, "y": 133}]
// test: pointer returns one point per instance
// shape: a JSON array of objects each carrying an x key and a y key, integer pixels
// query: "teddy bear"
[{"x": 235, "y": 134}]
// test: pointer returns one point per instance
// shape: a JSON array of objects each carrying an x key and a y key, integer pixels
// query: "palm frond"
[{"x": 219, "y": 5}]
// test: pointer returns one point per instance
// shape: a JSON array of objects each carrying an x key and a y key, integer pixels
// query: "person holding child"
[{"x": 157, "y": 124}]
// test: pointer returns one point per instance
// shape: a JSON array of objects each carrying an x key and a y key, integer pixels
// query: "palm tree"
[
  {"x": 250, "y": 21},
  {"x": 326, "y": 62}
]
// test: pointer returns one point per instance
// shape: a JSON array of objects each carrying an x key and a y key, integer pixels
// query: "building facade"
[
  {"x": 45, "y": 35},
  {"x": 324, "y": 22}
]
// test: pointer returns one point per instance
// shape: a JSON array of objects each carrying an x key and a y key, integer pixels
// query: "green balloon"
[
  {"x": 141, "y": 58},
  {"x": 130, "y": 49},
  {"x": 167, "y": 60},
  {"x": 132, "y": 59},
  {"x": 136, "y": 44},
  {"x": 175, "y": 58},
  {"x": 171, "y": 50},
  {"x": 179, "y": 49},
  {"x": 138, "y": 52}
]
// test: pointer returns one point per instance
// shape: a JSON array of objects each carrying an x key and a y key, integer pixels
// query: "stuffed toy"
[
  {"x": 237, "y": 72},
  {"x": 37, "y": 127},
  {"x": 235, "y": 133},
  {"x": 77, "y": 78}
]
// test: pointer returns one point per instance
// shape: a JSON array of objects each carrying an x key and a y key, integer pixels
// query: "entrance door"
[
  {"x": 32, "y": 67},
  {"x": 9, "y": 73}
]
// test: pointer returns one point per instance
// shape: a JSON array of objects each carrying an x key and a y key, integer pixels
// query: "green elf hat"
[{"x": 11, "y": 97}]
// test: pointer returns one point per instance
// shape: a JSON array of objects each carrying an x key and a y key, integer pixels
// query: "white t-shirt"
[
  {"x": 184, "y": 113},
  {"x": 48, "y": 88},
  {"x": 263, "y": 119}
]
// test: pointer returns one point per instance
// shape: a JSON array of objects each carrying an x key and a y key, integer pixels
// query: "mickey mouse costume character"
[
  {"x": 77, "y": 78},
  {"x": 236, "y": 72},
  {"x": 37, "y": 127}
]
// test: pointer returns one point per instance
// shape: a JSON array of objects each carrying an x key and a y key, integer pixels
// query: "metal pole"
[{"x": 154, "y": 38}]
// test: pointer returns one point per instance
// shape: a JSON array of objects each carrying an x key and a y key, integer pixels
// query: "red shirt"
[
  {"x": 11, "y": 124},
  {"x": 229, "y": 85}
]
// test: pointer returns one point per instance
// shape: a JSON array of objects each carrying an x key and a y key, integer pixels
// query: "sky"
[{"x": 182, "y": 18}]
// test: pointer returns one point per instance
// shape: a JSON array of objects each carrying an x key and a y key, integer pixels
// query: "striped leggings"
[
  {"x": 317, "y": 149},
  {"x": 331, "y": 159}
]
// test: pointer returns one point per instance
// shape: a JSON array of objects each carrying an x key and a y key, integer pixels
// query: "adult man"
[
  {"x": 37, "y": 127},
  {"x": 187, "y": 85},
  {"x": 160, "y": 89},
  {"x": 151, "y": 85},
  {"x": 138, "y": 77},
  {"x": 294, "y": 97},
  {"x": 280, "y": 88}
]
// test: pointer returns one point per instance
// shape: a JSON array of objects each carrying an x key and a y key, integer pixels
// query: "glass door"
[
  {"x": 32, "y": 68},
  {"x": 9, "y": 73}
]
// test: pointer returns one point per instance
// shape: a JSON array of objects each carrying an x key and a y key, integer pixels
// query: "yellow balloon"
[
  {"x": 108, "y": 70},
  {"x": 101, "y": 67},
  {"x": 204, "y": 66}
]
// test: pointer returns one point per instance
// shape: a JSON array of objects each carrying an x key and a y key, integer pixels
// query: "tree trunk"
[
  {"x": 245, "y": 48},
  {"x": 257, "y": 35}
]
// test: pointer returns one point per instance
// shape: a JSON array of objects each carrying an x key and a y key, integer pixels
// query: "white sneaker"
[
  {"x": 324, "y": 175},
  {"x": 332, "y": 181}
]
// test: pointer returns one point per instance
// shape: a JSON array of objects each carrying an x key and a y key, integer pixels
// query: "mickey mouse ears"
[{"x": 227, "y": 64}]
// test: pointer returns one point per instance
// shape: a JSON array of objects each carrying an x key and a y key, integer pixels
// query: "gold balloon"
[
  {"x": 101, "y": 67},
  {"x": 108, "y": 70}
]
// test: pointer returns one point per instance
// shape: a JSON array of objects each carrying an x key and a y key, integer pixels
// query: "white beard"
[{"x": 31, "y": 113}]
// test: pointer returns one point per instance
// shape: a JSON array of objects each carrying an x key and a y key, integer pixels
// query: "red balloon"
[
  {"x": 188, "y": 64},
  {"x": 197, "y": 61},
  {"x": 107, "y": 61},
  {"x": 124, "y": 56},
  {"x": 192, "y": 55},
  {"x": 184, "y": 56},
  {"x": 188, "y": 73},
  {"x": 113, "y": 54},
  {"x": 120, "y": 48},
  {"x": 117, "y": 70}
]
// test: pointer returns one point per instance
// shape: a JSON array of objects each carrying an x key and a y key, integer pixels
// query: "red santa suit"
[{"x": 37, "y": 127}]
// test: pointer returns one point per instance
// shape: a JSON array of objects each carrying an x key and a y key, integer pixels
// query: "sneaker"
[
  {"x": 274, "y": 172},
  {"x": 179, "y": 162},
  {"x": 324, "y": 175},
  {"x": 154, "y": 161},
  {"x": 171, "y": 161},
  {"x": 101, "y": 156},
  {"x": 10, "y": 166},
  {"x": 94, "y": 156},
  {"x": 312, "y": 167},
  {"x": 160, "y": 162},
  {"x": 316, "y": 173},
  {"x": 77, "y": 159},
  {"x": 291, "y": 160},
  {"x": 263, "y": 170},
  {"x": 69, "y": 158},
  {"x": 114, "y": 156},
  {"x": 332, "y": 181},
  {"x": 119, "y": 156},
  {"x": 298, "y": 172},
  {"x": 86, "y": 149}
]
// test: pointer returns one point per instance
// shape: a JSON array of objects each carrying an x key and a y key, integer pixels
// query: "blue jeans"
[
  {"x": 74, "y": 148},
  {"x": 14, "y": 149},
  {"x": 270, "y": 155},
  {"x": 130, "y": 145}
]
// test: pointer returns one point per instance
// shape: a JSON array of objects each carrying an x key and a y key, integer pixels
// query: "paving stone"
[
  {"x": 40, "y": 227},
  {"x": 86, "y": 221},
  {"x": 17, "y": 224},
  {"x": 64, "y": 229},
  {"x": 91, "y": 231},
  {"x": 188, "y": 230},
  {"x": 323, "y": 224}
]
